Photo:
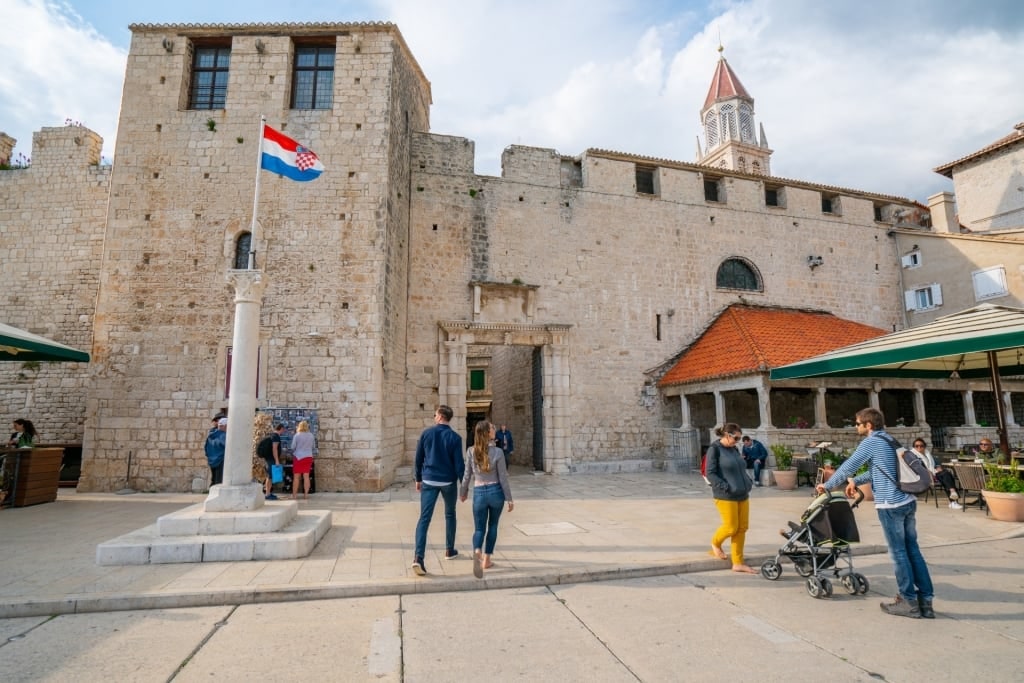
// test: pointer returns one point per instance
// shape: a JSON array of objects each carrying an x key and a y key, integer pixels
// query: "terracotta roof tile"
[
  {"x": 725, "y": 83},
  {"x": 1016, "y": 136},
  {"x": 748, "y": 339}
]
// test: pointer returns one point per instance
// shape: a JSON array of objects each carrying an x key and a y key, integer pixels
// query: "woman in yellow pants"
[{"x": 730, "y": 486}]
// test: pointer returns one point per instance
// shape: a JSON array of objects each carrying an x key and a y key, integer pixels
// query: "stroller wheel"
[
  {"x": 815, "y": 588},
  {"x": 851, "y": 584},
  {"x": 826, "y": 587},
  {"x": 771, "y": 570},
  {"x": 862, "y": 583}
]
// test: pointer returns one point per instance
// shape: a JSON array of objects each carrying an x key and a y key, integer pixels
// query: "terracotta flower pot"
[
  {"x": 785, "y": 479},
  {"x": 1005, "y": 507}
]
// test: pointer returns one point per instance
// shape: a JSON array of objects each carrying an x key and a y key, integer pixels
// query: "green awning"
[
  {"x": 956, "y": 345},
  {"x": 19, "y": 345}
]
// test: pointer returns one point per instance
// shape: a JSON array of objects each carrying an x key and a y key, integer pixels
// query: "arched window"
[
  {"x": 728, "y": 122},
  {"x": 737, "y": 273},
  {"x": 746, "y": 124},
  {"x": 711, "y": 129},
  {"x": 242, "y": 248}
]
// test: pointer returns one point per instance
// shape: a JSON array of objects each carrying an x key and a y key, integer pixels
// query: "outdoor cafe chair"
[{"x": 971, "y": 476}]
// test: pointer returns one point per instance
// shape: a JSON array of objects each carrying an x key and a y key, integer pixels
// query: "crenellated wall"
[{"x": 52, "y": 215}]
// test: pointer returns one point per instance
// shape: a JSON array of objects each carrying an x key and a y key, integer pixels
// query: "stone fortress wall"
[{"x": 52, "y": 215}]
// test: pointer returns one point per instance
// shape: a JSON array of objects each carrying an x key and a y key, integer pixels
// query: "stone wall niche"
[{"x": 499, "y": 302}]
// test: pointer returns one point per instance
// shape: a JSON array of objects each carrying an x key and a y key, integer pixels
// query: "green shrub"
[{"x": 783, "y": 456}]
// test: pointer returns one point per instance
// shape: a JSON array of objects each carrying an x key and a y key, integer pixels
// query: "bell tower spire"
[{"x": 730, "y": 133}]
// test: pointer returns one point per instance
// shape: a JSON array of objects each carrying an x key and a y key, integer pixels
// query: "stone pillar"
[
  {"x": 920, "y": 419},
  {"x": 820, "y": 412},
  {"x": 452, "y": 388},
  {"x": 873, "y": 397},
  {"x": 684, "y": 408},
  {"x": 1008, "y": 410},
  {"x": 719, "y": 409},
  {"x": 764, "y": 404},
  {"x": 557, "y": 432},
  {"x": 239, "y": 492},
  {"x": 969, "y": 417}
]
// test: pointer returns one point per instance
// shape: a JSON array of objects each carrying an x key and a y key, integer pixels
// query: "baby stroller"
[{"x": 820, "y": 545}]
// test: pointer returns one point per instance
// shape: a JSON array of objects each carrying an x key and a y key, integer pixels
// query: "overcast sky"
[{"x": 865, "y": 94}]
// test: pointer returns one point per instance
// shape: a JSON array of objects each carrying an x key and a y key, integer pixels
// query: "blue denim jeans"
[
  {"x": 428, "y": 499},
  {"x": 900, "y": 528},
  {"x": 487, "y": 503}
]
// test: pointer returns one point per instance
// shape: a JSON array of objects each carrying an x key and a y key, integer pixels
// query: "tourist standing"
[
  {"x": 216, "y": 443},
  {"x": 302, "y": 459}
]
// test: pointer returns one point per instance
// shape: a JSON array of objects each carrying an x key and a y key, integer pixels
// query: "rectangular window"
[
  {"x": 774, "y": 196},
  {"x": 645, "y": 180},
  {"x": 911, "y": 260},
  {"x": 879, "y": 216},
  {"x": 989, "y": 283},
  {"x": 313, "y": 77},
  {"x": 477, "y": 380},
  {"x": 209, "y": 87},
  {"x": 826, "y": 204},
  {"x": 712, "y": 190},
  {"x": 923, "y": 298}
]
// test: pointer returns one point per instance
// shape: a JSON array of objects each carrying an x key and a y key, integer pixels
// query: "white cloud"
[{"x": 56, "y": 68}]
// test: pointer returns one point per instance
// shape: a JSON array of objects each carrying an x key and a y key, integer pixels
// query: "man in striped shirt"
[{"x": 896, "y": 511}]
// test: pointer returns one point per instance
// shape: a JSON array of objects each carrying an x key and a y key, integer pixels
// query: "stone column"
[
  {"x": 764, "y": 402},
  {"x": 239, "y": 492},
  {"x": 1008, "y": 410},
  {"x": 969, "y": 417},
  {"x": 684, "y": 408},
  {"x": 873, "y": 396},
  {"x": 719, "y": 409},
  {"x": 452, "y": 390},
  {"x": 820, "y": 412},
  {"x": 557, "y": 448},
  {"x": 920, "y": 419}
]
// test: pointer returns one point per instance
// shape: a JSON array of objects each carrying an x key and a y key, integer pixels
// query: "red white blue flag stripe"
[{"x": 284, "y": 156}]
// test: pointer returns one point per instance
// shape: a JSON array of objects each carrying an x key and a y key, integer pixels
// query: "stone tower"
[{"x": 729, "y": 128}]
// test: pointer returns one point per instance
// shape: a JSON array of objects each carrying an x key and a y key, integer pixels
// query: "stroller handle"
[{"x": 857, "y": 498}]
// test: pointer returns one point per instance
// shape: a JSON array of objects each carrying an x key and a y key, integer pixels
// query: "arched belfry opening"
[{"x": 534, "y": 359}]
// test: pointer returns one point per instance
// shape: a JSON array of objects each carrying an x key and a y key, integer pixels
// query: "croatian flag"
[{"x": 284, "y": 156}]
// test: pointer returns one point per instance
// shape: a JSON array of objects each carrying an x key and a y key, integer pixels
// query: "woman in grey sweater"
[
  {"x": 485, "y": 464},
  {"x": 730, "y": 486}
]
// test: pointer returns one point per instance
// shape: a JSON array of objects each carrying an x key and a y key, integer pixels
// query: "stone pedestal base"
[
  {"x": 244, "y": 498},
  {"x": 276, "y": 531}
]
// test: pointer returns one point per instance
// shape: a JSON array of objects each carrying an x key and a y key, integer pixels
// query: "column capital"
[{"x": 249, "y": 285}]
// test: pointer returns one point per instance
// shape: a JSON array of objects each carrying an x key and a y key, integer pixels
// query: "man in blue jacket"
[
  {"x": 755, "y": 455},
  {"x": 503, "y": 440},
  {"x": 439, "y": 468},
  {"x": 896, "y": 511},
  {"x": 216, "y": 441}
]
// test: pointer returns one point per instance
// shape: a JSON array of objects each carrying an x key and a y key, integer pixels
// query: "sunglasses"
[{"x": 735, "y": 437}]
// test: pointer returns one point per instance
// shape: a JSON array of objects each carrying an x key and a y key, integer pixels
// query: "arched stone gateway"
[{"x": 553, "y": 415}]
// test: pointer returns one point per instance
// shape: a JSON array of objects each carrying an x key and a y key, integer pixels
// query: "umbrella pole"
[{"x": 997, "y": 390}]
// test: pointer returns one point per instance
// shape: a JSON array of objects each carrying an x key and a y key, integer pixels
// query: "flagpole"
[{"x": 253, "y": 231}]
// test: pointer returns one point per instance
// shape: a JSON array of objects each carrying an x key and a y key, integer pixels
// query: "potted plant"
[
  {"x": 1004, "y": 494},
  {"x": 785, "y": 475}
]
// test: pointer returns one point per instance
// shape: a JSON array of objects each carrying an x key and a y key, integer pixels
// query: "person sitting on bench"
[{"x": 755, "y": 455}]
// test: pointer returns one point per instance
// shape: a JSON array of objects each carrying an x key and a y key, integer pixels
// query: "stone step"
[
  {"x": 195, "y": 520},
  {"x": 147, "y": 546}
]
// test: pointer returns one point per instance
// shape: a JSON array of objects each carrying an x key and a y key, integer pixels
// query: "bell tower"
[{"x": 729, "y": 128}]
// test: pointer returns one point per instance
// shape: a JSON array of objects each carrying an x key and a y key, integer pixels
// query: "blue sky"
[{"x": 868, "y": 95}]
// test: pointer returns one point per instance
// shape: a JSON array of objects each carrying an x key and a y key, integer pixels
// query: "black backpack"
[
  {"x": 913, "y": 471},
  {"x": 265, "y": 448}
]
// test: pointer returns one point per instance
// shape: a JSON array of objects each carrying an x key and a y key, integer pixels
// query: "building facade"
[{"x": 399, "y": 275}]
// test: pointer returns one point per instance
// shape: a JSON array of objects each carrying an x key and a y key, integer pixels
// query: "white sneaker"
[{"x": 953, "y": 505}]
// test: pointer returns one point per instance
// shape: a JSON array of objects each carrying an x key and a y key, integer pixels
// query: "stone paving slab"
[{"x": 630, "y": 525}]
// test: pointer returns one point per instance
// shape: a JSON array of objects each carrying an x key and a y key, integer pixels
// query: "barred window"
[
  {"x": 711, "y": 129},
  {"x": 209, "y": 88},
  {"x": 313, "y": 78},
  {"x": 728, "y": 122},
  {"x": 736, "y": 273},
  {"x": 746, "y": 124},
  {"x": 242, "y": 247}
]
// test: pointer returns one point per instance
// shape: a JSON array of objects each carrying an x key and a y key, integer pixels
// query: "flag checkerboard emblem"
[{"x": 304, "y": 158}]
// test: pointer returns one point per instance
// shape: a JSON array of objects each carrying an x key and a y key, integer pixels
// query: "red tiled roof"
[
  {"x": 724, "y": 84},
  {"x": 1016, "y": 136},
  {"x": 748, "y": 339}
]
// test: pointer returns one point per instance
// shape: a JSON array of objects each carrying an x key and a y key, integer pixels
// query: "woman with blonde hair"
[
  {"x": 485, "y": 464},
  {"x": 302, "y": 464}
]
